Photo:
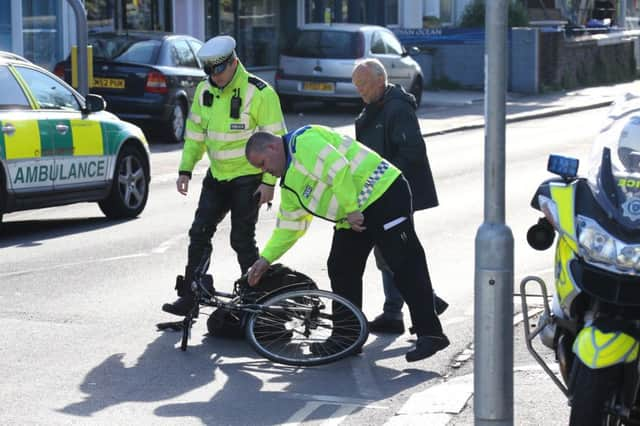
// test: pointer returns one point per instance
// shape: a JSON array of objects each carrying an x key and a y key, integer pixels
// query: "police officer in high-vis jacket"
[
  {"x": 328, "y": 175},
  {"x": 228, "y": 107}
]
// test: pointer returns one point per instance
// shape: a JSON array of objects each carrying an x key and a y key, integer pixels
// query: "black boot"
[
  {"x": 426, "y": 346},
  {"x": 186, "y": 298}
]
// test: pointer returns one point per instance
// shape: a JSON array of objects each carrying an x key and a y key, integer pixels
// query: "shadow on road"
[
  {"x": 28, "y": 233},
  {"x": 219, "y": 385}
]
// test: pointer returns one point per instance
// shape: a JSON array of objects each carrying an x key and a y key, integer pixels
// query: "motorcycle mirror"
[{"x": 540, "y": 236}]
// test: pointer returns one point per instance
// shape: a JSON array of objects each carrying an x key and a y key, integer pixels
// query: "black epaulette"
[{"x": 260, "y": 84}]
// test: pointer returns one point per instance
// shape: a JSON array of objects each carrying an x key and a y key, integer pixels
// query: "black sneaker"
[
  {"x": 427, "y": 346},
  {"x": 440, "y": 304},
  {"x": 386, "y": 325},
  {"x": 181, "y": 307}
]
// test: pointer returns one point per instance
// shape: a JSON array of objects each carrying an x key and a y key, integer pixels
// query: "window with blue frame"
[
  {"x": 5, "y": 25},
  {"x": 255, "y": 24},
  {"x": 42, "y": 41}
]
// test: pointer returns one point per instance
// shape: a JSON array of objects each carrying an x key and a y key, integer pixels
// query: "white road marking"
[
  {"x": 438, "y": 419},
  {"x": 365, "y": 380},
  {"x": 335, "y": 400},
  {"x": 165, "y": 245},
  {"x": 339, "y": 415},
  {"x": 537, "y": 367},
  {"x": 67, "y": 265},
  {"x": 346, "y": 407},
  {"x": 297, "y": 417},
  {"x": 449, "y": 397}
]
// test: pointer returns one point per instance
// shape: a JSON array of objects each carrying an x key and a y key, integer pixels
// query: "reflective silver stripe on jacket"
[
  {"x": 316, "y": 195},
  {"x": 294, "y": 215},
  {"x": 196, "y": 136},
  {"x": 346, "y": 144},
  {"x": 322, "y": 156},
  {"x": 273, "y": 128},
  {"x": 226, "y": 155},
  {"x": 292, "y": 225},
  {"x": 228, "y": 137},
  {"x": 358, "y": 159},
  {"x": 335, "y": 168},
  {"x": 195, "y": 117},
  {"x": 364, "y": 195}
]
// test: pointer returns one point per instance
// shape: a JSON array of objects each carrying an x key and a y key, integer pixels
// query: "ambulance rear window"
[{"x": 12, "y": 96}]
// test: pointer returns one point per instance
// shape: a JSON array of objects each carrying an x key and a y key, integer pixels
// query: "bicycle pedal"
[{"x": 173, "y": 326}]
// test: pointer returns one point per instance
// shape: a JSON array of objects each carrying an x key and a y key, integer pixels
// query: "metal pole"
[
  {"x": 622, "y": 14},
  {"x": 82, "y": 39},
  {"x": 493, "y": 301}
]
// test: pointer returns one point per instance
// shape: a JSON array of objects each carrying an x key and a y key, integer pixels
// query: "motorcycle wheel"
[{"x": 594, "y": 394}]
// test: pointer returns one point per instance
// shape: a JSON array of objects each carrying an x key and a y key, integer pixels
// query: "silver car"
[{"x": 317, "y": 64}]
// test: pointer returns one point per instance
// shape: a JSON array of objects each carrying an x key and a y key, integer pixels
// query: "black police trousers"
[
  {"x": 400, "y": 248},
  {"x": 218, "y": 198}
]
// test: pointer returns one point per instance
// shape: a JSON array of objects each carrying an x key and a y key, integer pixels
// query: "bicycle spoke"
[{"x": 307, "y": 327}]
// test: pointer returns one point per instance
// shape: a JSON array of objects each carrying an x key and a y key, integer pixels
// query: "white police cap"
[{"x": 217, "y": 50}]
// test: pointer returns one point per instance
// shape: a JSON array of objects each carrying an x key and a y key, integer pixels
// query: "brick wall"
[{"x": 572, "y": 63}]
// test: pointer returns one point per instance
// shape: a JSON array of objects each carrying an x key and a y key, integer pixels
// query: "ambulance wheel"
[
  {"x": 129, "y": 188},
  {"x": 177, "y": 122}
]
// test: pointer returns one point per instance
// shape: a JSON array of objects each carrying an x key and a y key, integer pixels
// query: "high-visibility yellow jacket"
[
  {"x": 212, "y": 128},
  {"x": 327, "y": 175}
]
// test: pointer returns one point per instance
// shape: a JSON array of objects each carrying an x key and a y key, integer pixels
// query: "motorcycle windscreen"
[{"x": 614, "y": 164}]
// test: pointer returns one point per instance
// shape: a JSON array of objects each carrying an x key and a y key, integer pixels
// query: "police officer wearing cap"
[{"x": 228, "y": 107}]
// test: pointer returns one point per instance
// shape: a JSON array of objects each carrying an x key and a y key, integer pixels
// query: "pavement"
[{"x": 446, "y": 111}]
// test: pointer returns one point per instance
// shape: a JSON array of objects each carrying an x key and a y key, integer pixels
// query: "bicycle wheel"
[{"x": 307, "y": 327}]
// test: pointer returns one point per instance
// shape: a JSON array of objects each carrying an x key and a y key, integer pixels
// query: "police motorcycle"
[{"x": 593, "y": 324}]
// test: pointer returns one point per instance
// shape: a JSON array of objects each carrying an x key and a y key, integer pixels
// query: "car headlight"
[{"x": 597, "y": 245}]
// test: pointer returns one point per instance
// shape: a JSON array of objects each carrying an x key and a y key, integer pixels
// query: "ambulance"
[{"x": 58, "y": 147}]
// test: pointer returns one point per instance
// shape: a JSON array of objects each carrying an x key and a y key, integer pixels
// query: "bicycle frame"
[{"x": 215, "y": 300}]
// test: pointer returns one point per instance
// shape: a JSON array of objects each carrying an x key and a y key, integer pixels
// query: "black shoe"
[
  {"x": 181, "y": 307},
  {"x": 385, "y": 325},
  {"x": 440, "y": 304},
  {"x": 427, "y": 346},
  {"x": 329, "y": 346}
]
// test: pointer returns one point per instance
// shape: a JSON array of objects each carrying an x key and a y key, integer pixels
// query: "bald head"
[
  {"x": 265, "y": 151},
  {"x": 370, "y": 79}
]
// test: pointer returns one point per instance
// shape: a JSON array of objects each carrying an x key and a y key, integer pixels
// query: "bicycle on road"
[{"x": 294, "y": 324}]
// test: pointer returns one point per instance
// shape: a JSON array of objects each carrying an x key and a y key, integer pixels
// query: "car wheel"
[
  {"x": 416, "y": 90},
  {"x": 130, "y": 186},
  {"x": 286, "y": 103},
  {"x": 177, "y": 122}
]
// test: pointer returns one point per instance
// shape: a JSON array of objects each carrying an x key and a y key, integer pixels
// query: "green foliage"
[
  {"x": 473, "y": 15},
  {"x": 430, "y": 22}
]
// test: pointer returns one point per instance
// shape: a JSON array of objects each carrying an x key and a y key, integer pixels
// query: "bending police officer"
[
  {"x": 331, "y": 176},
  {"x": 228, "y": 106}
]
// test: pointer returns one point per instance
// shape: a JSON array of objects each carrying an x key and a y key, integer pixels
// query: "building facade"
[{"x": 44, "y": 30}]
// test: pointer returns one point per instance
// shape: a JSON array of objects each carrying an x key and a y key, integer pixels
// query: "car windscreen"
[
  {"x": 125, "y": 49},
  {"x": 324, "y": 44},
  {"x": 12, "y": 95}
]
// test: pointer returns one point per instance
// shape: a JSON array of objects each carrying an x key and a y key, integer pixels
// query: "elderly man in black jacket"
[{"x": 388, "y": 125}]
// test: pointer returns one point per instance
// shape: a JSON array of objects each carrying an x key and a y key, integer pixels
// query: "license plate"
[
  {"x": 108, "y": 83},
  {"x": 318, "y": 87}
]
